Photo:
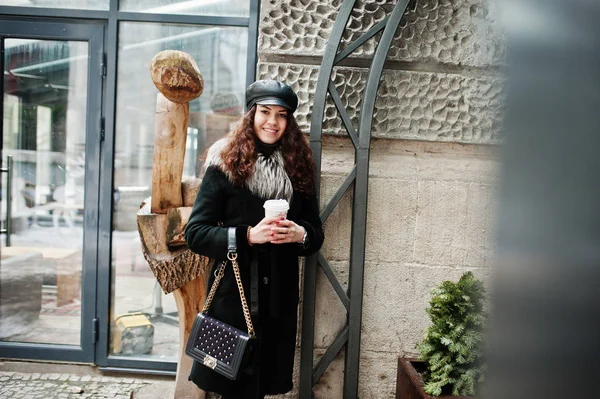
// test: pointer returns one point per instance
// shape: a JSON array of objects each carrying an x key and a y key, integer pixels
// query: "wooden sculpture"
[
  {"x": 176, "y": 75},
  {"x": 161, "y": 219}
]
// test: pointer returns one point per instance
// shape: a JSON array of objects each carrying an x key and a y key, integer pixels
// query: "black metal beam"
[
  {"x": 340, "y": 291},
  {"x": 330, "y": 354},
  {"x": 133, "y": 370},
  {"x": 316, "y": 129},
  {"x": 252, "y": 42},
  {"x": 335, "y": 96},
  {"x": 49, "y": 12},
  {"x": 92, "y": 191},
  {"x": 182, "y": 19},
  {"x": 375, "y": 29},
  {"x": 325, "y": 213},
  {"x": 106, "y": 191},
  {"x": 38, "y": 351},
  {"x": 359, "y": 216},
  {"x": 308, "y": 327},
  {"x": 359, "y": 176},
  {"x": 318, "y": 112},
  {"x": 130, "y": 16}
]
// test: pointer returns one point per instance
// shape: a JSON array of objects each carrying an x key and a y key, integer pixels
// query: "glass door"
[{"x": 50, "y": 142}]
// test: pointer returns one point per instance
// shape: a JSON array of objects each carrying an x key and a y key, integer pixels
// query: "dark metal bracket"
[
  {"x": 9, "y": 177},
  {"x": 350, "y": 334}
]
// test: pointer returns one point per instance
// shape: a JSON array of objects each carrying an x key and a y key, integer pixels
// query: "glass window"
[
  {"x": 44, "y": 124},
  {"x": 231, "y": 8},
  {"x": 79, "y": 4},
  {"x": 220, "y": 53}
]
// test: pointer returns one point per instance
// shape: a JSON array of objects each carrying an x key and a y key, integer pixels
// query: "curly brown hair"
[{"x": 239, "y": 156}]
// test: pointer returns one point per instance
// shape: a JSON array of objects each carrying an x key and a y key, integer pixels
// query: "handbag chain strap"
[{"x": 232, "y": 256}]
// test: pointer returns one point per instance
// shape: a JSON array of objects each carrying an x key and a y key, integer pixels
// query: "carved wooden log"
[
  {"x": 190, "y": 189},
  {"x": 189, "y": 299},
  {"x": 177, "y": 219},
  {"x": 177, "y": 76},
  {"x": 171, "y": 123},
  {"x": 162, "y": 220},
  {"x": 173, "y": 268},
  {"x": 177, "y": 270}
]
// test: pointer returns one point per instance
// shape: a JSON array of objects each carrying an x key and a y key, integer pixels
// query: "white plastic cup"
[{"x": 276, "y": 208}]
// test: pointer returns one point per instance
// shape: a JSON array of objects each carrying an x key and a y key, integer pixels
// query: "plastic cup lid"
[{"x": 279, "y": 205}]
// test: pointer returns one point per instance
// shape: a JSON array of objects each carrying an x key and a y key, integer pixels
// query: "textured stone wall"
[
  {"x": 454, "y": 32},
  {"x": 410, "y": 105},
  {"x": 433, "y": 165},
  {"x": 430, "y": 218},
  {"x": 442, "y": 83}
]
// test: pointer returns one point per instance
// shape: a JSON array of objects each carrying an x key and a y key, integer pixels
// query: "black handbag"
[{"x": 215, "y": 344}]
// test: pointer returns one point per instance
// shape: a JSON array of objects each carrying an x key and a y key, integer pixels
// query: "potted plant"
[{"x": 450, "y": 364}]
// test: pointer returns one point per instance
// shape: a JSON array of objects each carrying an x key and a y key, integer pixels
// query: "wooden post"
[
  {"x": 176, "y": 75},
  {"x": 170, "y": 133},
  {"x": 161, "y": 220},
  {"x": 177, "y": 270},
  {"x": 189, "y": 299}
]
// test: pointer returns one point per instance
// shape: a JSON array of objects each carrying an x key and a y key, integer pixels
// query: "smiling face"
[{"x": 270, "y": 122}]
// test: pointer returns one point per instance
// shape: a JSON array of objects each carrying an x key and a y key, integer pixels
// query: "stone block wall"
[{"x": 433, "y": 167}]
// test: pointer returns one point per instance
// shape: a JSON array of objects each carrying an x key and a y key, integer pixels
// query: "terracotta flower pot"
[{"x": 409, "y": 383}]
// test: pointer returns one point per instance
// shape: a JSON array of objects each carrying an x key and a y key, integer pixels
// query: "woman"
[{"x": 265, "y": 157}]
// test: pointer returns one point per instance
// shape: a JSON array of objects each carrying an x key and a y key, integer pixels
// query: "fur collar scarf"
[{"x": 269, "y": 180}]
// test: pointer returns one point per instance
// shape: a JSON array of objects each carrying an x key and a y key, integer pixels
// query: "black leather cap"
[{"x": 271, "y": 92}]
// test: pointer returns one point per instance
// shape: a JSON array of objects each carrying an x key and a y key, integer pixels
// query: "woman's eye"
[{"x": 282, "y": 115}]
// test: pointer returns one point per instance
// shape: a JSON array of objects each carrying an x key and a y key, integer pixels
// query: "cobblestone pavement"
[{"x": 19, "y": 385}]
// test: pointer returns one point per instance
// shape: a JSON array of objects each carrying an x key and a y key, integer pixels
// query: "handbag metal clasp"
[{"x": 210, "y": 361}]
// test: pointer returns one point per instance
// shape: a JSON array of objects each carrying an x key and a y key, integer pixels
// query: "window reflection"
[
  {"x": 220, "y": 53},
  {"x": 79, "y": 4},
  {"x": 237, "y": 8},
  {"x": 44, "y": 132}
]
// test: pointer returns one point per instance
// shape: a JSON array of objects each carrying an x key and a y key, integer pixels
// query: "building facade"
[
  {"x": 433, "y": 162},
  {"x": 81, "y": 139}
]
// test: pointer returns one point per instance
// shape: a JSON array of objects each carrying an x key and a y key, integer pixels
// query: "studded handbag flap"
[{"x": 215, "y": 344}]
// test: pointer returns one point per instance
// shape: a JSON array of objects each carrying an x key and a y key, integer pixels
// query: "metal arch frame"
[{"x": 352, "y": 298}]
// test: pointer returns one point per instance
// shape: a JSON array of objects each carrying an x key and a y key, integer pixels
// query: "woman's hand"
[
  {"x": 285, "y": 231},
  {"x": 261, "y": 233}
]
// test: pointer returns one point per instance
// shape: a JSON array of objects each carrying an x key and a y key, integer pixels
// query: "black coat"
[{"x": 219, "y": 205}]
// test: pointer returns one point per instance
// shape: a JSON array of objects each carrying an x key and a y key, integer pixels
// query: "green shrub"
[{"x": 452, "y": 344}]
